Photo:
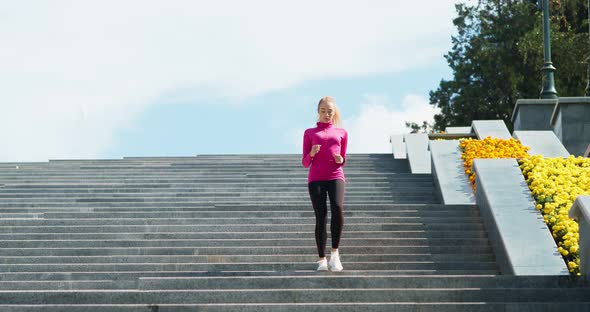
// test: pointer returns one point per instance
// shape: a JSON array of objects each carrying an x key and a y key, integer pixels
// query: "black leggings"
[{"x": 318, "y": 192}]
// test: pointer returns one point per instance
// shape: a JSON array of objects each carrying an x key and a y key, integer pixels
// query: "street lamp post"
[
  {"x": 548, "y": 91},
  {"x": 588, "y": 59}
]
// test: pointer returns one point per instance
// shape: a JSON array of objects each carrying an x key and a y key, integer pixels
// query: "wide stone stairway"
[{"x": 235, "y": 233}]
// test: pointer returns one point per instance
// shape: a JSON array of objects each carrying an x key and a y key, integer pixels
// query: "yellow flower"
[
  {"x": 489, "y": 148},
  {"x": 555, "y": 183}
]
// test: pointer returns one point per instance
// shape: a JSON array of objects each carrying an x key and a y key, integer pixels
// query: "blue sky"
[{"x": 108, "y": 79}]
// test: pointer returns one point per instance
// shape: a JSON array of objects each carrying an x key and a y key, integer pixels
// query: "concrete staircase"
[{"x": 235, "y": 233}]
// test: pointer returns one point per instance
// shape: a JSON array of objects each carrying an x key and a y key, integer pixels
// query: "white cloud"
[
  {"x": 369, "y": 131},
  {"x": 72, "y": 72}
]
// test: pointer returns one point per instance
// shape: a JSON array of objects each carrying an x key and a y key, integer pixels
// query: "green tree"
[
  {"x": 497, "y": 55},
  {"x": 426, "y": 127},
  {"x": 569, "y": 45}
]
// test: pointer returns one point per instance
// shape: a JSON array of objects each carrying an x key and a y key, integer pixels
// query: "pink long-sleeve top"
[{"x": 323, "y": 165}]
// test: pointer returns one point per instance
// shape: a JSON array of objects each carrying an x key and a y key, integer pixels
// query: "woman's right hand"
[{"x": 314, "y": 150}]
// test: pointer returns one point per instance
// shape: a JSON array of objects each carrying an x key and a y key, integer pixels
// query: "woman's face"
[{"x": 326, "y": 111}]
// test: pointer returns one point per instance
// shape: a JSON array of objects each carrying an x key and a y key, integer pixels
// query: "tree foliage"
[
  {"x": 426, "y": 127},
  {"x": 497, "y": 55}
]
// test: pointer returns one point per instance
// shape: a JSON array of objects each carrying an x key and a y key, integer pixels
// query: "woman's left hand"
[{"x": 339, "y": 159}]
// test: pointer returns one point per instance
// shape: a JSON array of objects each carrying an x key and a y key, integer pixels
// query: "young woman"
[{"x": 324, "y": 152}]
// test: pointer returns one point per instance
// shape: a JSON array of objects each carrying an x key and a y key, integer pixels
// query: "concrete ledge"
[
  {"x": 571, "y": 123},
  {"x": 461, "y": 130},
  {"x": 521, "y": 240},
  {"x": 398, "y": 148},
  {"x": 451, "y": 136},
  {"x": 490, "y": 128},
  {"x": 533, "y": 114},
  {"x": 581, "y": 211},
  {"x": 452, "y": 184},
  {"x": 543, "y": 143},
  {"x": 418, "y": 154}
]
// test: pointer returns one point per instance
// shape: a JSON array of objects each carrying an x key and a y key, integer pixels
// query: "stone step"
[
  {"x": 269, "y": 195},
  {"x": 246, "y": 214},
  {"x": 151, "y": 227},
  {"x": 223, "y": 180},
  {"x": 313, "y": 307},
  {"x": 227, "y": 222},
  {"x": 66, "y": 285},
  {"x": 217, "y": 186},
  {"x": 343, "y": 280},
  {"x": 260, "y": 206},
  {"x": 237, "y": 209},
  {"x": 235, "y": 235},
  {"x": 214, "y": 190},
  {"x": 127, "y": 276},
  {"x": 351, "y": 160},
  {"x": 369, "y": 168},
  {"x": 256, "y": 266},
  {"x": 382, "y": 187},
  {"x": 204, "y": 203},
  {"x": 79, "y": 202},
  {"x": 200, "y": 167},
  {"x": 450, "y": 242},
  {"x": 307, "y": 295},
  {"x": 258, "y": 192},
  {"x": 242, "y": 258},
  {"x": 185, "y": 174},
  {"x": 208, "y": 201},
  {"x": 226, "y": 191},
  {"x": 124, "y": 188},
  {"x": 239, "y": 186},
  {"x": 310, "y": 250},
  {"x": 262, "y": 157},
  {"x": 295, "y": 162},
  {"x": 34, "y": 185},
  {"x": 277, "y": 176}
]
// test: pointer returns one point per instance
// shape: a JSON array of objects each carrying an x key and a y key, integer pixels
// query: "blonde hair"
[{"x": 336, "y": 118}]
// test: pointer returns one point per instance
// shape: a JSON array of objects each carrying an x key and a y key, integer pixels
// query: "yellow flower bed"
[
  {"x": 555, "y": 183},
  {"x": 489, "y": 148}
]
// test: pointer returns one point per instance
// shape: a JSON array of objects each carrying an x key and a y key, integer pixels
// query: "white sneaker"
[
  {"x": 335, "y": 265},
  {"x": 323, "y": 265}
]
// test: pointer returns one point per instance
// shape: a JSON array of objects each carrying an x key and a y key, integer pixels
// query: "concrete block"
[
  {"x": 571, "y": 123},
  {"x": 533, "y": 114},
  {"x": 458, "y": 130},
  {"x": 581, "y": 211},
  {"x": 490, "y": 128},
  {"x": 543, "y": 143},
  {"x": 521, "y": 240},
  {"x": 451, "y": 182},
  {"x": 398, "y": 147},
  {"x": 418, "y": 153}
]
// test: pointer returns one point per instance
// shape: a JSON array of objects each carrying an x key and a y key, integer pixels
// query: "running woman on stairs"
[{"x": 324, "y": 152}]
